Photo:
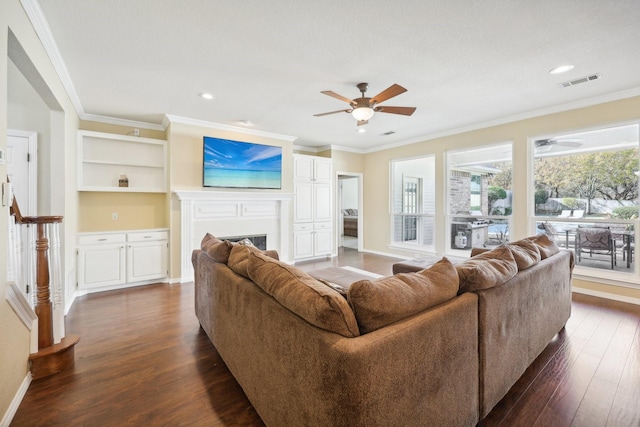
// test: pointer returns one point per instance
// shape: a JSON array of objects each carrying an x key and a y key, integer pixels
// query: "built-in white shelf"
[{"x": 103, "y": 158}]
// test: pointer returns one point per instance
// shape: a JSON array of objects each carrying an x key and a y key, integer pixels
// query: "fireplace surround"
[{"x": 232, "y": 214}]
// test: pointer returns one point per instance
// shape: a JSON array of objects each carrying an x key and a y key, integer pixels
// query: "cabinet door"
[
  {"x": 303, "y": 244},
  {"x": 322, "y": 239},
  {"x": 322, "y": 170},
  {"x": 303, "y": 203},
  {"x": 101, "y": 265},
  {"x": 146, "y": 261},
  {"x": 322, "y": 202},
  {"x": 302, "y": 168}
]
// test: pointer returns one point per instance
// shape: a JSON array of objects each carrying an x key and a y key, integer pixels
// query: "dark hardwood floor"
[{"x": 142, "y": 360}]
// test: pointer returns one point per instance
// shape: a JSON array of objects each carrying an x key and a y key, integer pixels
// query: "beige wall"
[
  {"x": 135, "y": 211},
  {"x": 185, "y": 172},
  {"x": 376, "y": 172},
  {"x": 345, "y": 161},
  {"x": 14, "y": 336}
]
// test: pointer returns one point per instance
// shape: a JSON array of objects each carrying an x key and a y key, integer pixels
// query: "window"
[
  {"x": 413, "y": 202},
  {"x": 479, "y": 196},
  {"x": 585, "y": 181}
]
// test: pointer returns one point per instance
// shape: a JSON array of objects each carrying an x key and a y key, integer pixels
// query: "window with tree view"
[{"x": 586, "y": 190}]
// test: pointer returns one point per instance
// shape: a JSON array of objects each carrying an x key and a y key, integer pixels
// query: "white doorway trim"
[{"x": 338, "y": 205}]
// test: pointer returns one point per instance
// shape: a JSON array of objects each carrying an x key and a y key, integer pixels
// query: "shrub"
[
  {"x": 571, "y": 202},
  {"x": 626, "y": 212},
  {"x": 541, "y": 197},
  {"x": 496, "y": 193}
]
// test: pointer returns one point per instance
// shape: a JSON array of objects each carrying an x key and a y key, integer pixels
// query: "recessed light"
[
  {"x": 361, "y": 130},
  {"x": 561, "y": 69},
  {"x": 206, "y": 95},
  {"x": 245, "y": 122}
]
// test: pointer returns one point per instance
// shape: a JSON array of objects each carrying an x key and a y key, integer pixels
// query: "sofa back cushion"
[
  {"x": 546, "y": 246},
  {"x": 380, "y": 302},
  {"x": 218, "y": 250},
  {"x": 487, "y": 269},
  {"x": 525, "y": 252},
  {"x": 239, "y": 258},
  {"x": 303, "y": 295}
]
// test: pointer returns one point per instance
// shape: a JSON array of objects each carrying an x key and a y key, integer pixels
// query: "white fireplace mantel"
[{"x": 231, "y": 213}]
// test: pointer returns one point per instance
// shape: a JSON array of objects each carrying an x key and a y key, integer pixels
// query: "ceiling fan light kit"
[
  {"x": 363, "y": 108},
  {"x": 362, "y": 113}
]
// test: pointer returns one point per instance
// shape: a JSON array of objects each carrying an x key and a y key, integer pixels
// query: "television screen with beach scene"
[{"x": 236, "y": 164}]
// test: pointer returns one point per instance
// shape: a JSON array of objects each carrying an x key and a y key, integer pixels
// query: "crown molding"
[
  {"x": 41, "y": 26},
  {"x": 217, "y": 126},
  {"x": 122, "y": 122}
]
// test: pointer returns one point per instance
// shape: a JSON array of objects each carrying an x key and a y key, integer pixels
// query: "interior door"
[{"x": 21, "y": 172}]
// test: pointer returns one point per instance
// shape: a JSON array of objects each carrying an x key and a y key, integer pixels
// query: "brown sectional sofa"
[{"x": 436, "y": 347}]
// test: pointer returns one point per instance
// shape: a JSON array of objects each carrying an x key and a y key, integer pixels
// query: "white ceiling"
[{"x": 464, "y": 63}]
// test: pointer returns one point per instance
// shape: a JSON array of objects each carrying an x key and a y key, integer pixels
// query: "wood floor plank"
[{"x": 143, "y": 360}]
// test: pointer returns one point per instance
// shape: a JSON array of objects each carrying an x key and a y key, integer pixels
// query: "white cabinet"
[
  {"x": 104, "y": 159},
  {"x": 311, "y": 168},
  {"x": 120, "y": 259},
  {"x": 146, "y": 256},
  {"x": 313, "y": 219}
]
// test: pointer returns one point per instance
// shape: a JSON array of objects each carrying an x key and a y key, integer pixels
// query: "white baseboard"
[
  {"x": 606, "y": 295},
  {"x": 15, "y": 403}
]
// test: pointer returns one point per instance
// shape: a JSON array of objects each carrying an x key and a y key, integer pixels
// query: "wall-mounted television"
[{"x": 236, "y": 164}]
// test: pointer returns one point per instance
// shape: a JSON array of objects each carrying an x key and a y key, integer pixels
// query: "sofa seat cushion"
[
  {"x": 380, "y": 302},
  {"x": 303, "y": 295},
  {"x": 487, "y": 269}
]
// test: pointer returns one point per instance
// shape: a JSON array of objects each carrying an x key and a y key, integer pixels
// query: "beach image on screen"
[{"x": 238, "y": 164}]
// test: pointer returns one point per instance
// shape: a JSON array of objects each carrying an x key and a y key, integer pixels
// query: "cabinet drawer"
[
  {"x": 302, "y": 227},
  {"x": 322, "y": 226},
  {"x": 98, "y": 239},
  {"x": 147, "y": 236}
]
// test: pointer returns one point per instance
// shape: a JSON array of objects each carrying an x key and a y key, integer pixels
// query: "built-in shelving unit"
[{"x": 103, "y": 159}]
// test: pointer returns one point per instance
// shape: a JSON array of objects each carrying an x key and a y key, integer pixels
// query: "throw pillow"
[
  {"x": 303, "y": 295},
  {"x": 380, "y": 302},
  {"x": 525, "y": 252},
  {"x": 218, "y": 250},
  {"x": 487, "y": 270},
  {"x": 546, "y": 246}
]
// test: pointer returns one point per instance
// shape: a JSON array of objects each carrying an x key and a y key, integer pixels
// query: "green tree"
[
  {"x": 553, "y": 174},
  {"x": 504, "y": 178}
]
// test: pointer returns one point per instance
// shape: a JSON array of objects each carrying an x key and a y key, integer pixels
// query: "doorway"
[
  {"x": 22, "y": 173},
  {"x": 350, "y": 215}
]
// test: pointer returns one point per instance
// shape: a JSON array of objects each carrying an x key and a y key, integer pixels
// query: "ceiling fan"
[
  {"x": 363, "y": 108},
  {"x": 547, "y": 144}
]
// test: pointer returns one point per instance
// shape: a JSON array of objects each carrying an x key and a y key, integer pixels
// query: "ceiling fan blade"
[
  {"x": 335, "y": 95},
  {"x": 362, "y": 122},
  {"x": 390, "y": 92},
  {"x": 405, "y": 111},
  {"x": 569, "y": 142},
  {"x": 348, "y": 110}
]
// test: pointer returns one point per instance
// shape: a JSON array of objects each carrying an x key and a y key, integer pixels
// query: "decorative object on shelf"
[{"x": 124, "y": 181}]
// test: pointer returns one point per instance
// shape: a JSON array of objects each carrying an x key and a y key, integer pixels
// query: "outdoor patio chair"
[
  {"x": 560, "y": 237},
  {"x": 566, "y": 213},
  {"x": 595, "y": 241}
]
